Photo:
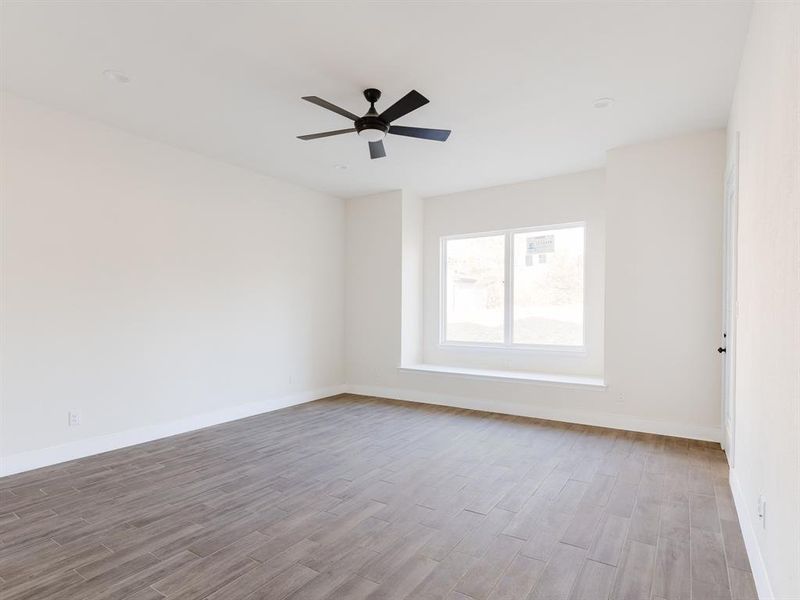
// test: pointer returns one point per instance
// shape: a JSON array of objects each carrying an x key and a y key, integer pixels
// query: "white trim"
[
  {"x": 508, "y": 290},
  {"x": 611, "y": 420},
  {"x": 757, "y": 564},
  {"x": 730, "y": 241},
  {"x": 497, "y": 375},
  {"x": 568, "y": 352},
  {"x": 35, "y": 459}
]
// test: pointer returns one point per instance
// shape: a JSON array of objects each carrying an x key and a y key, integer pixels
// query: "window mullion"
[
  {"x": 443, "y": 298},
  {"x": 508, "y": 316}
]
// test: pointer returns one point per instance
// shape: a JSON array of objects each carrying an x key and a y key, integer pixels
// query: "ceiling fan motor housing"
[{"x": 371, "y": 120}]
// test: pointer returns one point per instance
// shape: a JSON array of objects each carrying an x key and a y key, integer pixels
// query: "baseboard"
[
  {"x": 757, "y": 565},
  {"x": 611, "y": 420},
  {"x": 35, "y": 459}
]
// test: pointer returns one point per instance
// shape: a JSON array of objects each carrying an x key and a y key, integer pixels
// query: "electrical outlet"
[
  {"x": 73, "y": 418},
  {"x": 761, "y": 511}
]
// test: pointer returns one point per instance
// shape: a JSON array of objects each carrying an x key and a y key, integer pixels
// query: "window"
[
  {"x": 476, "y": 289},
  {"x": 516, "y": 288}
]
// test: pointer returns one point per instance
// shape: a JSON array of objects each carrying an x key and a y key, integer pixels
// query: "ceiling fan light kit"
[{"x": 373, "y": 126}]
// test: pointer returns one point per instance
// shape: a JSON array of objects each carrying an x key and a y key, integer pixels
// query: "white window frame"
[{"x": 508, "y": 294}]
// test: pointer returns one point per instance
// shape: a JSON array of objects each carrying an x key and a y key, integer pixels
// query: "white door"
[{"x": 727, "y": 349}]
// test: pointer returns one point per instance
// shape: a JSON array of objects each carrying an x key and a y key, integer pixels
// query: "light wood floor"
[{"x": 364, "y": 498}]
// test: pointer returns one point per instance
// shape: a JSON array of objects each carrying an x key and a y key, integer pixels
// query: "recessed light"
[
  {"x": 603, "y": 102},
  {"x": 340, "y": 167},
  {"x": 116, "y": 76}
]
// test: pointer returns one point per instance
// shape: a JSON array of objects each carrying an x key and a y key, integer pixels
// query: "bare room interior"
[{"x": 400, "y": 300}]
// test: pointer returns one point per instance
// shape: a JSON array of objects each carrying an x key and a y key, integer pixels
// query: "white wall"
[
  {"x": 673, "y": 384},
  {"x": 411, "y": 311},
  {"x": 663, "y": 276},
  {"x": 373, "y": 282},
  {"x": 564, "y": 199},
  {"x": 143, "y": 285},
  {"x": 766, "y": 113}
]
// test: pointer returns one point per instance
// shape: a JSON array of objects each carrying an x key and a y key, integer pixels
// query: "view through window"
[{"x": 514, "y": 288}]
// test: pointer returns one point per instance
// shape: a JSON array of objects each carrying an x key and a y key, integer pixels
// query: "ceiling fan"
[{"x": 373, "y": 127}]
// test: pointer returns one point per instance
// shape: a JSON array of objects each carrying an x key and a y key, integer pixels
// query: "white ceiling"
[{"x": 515, "y": 82}]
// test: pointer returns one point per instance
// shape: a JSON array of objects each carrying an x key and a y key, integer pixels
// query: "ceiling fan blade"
[
  {"x": 411, "y": 101},
  {"x": 438, "y": 135},
  {"x": 376, "y": 149},
  {"x": 332, "y": 107},
  {"x": 313, "y": 136}
]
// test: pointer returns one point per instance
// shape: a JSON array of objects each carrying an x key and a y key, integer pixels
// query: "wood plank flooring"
[{"x": 354, "y": 497}]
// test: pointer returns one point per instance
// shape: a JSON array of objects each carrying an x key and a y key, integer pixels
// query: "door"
[{"x": 729, "y": 307}]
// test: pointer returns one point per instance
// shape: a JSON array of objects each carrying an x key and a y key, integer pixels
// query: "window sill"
[
  {"x": 566, "y": 351},
  {"x": 513, "y": 376}
]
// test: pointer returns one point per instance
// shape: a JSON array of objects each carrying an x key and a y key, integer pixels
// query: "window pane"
[
  {"x": 475, "y": 294},
  {"x": 548, "y": 287}
]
